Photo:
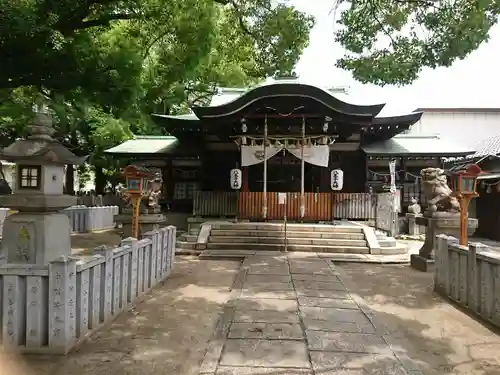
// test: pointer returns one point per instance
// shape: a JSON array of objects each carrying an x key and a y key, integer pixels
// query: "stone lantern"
[{"x": 38, "y": 233}]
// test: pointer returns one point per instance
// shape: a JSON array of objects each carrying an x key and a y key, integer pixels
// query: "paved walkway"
[
  {"x": 282, "y": 315},
  {"x": 294, "y": 315}
]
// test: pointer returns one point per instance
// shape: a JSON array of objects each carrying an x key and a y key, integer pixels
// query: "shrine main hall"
[{"x": 285, "y": 137}]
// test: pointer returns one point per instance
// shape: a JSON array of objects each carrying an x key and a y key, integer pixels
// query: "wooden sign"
[{"x": 281, "y": 198}]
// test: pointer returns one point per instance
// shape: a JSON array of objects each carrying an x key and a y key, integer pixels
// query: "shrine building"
[{"x": 285, "y": 137}]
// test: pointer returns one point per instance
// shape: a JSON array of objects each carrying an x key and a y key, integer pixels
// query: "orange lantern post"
[
  {"x": 465, "y": 187},
  {"x": 137, "y": 179}
]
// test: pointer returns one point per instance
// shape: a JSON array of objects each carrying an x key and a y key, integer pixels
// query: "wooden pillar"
[
  {"x": 244, "y": 178},
  {"x": 169, "y": 182}
]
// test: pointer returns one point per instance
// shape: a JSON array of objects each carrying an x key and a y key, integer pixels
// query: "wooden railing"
[
  {"x": 318, "y": 206},
  {"x": 355, "y": 206}
]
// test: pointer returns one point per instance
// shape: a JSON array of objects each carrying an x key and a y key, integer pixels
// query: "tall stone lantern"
[{"x": 38, "y": 233}]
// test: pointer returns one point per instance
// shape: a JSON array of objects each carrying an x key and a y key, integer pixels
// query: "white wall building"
[{"x": 465, "y": 126}]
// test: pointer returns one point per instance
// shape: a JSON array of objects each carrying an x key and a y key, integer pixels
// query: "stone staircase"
[
  {"x": 223, "y": 238},
  {"x": 343, "y": 238},
  {"x": 186, "y": 242}
]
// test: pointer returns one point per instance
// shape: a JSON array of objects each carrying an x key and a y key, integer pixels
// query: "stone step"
[
  {"x": 387, "y": 242},
  {"x": 394, "y": 250},
  {"x": 188, "y": 252},
  {"x": 289, "y": 240},
  {"x": 226, "y": 254},
  {"x": 185, "y": 245},
  {"x": 281, "y": 247},
  {"x": 290, "y": 227},
  {"x": 189, "y": 237},
  {"x": 292, "y": 233}
]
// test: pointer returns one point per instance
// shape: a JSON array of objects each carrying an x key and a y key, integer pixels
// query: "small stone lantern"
[{"x": 38, "y": 233}]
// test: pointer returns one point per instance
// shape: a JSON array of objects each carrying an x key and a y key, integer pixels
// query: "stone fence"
[
  {"x": 470, "y": 276},
  {"x": 87, "y": 219},
  {"x": 81, "y": 218},
  {"x": 3, "y": 214},
  {"x": 48, "y": 309},
  {"x": 100, "y": 200}
]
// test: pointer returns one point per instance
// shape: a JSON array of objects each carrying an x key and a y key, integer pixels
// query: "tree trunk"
[
  {"x": 99, "y": 180},
  {"x": 70, "y": 180}
]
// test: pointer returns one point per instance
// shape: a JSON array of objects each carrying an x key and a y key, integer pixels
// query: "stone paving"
[{"x": 294, "y": 315}]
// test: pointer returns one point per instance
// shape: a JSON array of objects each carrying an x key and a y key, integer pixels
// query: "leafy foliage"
[
  {"x": 390, "y": 41},
  {"x": 104, "y": 65}
]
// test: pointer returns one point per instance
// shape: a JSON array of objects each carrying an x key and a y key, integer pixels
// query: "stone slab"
[
  {"x": 266, "y": 279},
  {"x": 265, "y": 353},
  {"x": 267, "y": 316},
  {"x": 268, "y": 294},
  {"x": 315, "y": 278},
  {"x": 265, "y": 304},
  {"x": 346, "y": 342},
  {"x": 266, "y": 270},
  {"x": 362, "y": 326},
  {"x": 268, "y": 286},
  {"x": 303, "y": 284},
  {"x": 327, "y": 302},
  {"x": 421, "y": 263},
  {"x": 379, "y": 364},
  {"x": 332, "y": 315},
  {"x": 321, "y": 293},
  {"x": 311, "y": 270},
  {"x": 224, "y": 370},
  {"x": 267, "y": 331}
]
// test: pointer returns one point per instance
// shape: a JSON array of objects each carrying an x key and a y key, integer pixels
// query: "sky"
[{"x": 472, "y": 82}]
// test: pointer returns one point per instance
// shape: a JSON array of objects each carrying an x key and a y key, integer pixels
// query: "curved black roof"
[
  {"x": 402, "y": 120},
  {"x": 283, "y": 90}
]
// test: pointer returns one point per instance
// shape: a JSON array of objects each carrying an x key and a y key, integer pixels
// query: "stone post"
[{"x": 62, "y": 305}]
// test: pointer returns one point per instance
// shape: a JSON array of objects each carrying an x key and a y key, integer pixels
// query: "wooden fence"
[
  {"x": 48, "y": 308},
  {"x": 318, "y": 206},
  {"x": 470, "y": 276},
  {"x": 215, "y": 203},
  {"x": 354, "y": 206}
]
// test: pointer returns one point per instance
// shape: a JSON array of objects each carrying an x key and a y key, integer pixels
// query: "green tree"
[
  {"x": 56, "y": 45},
  {"x": 390, "y": 41},
  {"x": 104, "y": 65}
]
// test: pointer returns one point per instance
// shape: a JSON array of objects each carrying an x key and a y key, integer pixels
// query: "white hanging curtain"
[
  {"x": 251, "y": 155},
  {"x": 313, "y": 154}
]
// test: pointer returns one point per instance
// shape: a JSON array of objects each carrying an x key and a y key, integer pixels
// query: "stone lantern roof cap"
[{"x": 40, "y": 147}]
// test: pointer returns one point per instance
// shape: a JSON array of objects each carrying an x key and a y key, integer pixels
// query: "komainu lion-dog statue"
[{"x": 439, "y": 196}]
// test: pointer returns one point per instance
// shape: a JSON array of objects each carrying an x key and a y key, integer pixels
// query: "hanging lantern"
[
  {"x": 337, "y": 179},
  {"x": 235, "y": 178}
]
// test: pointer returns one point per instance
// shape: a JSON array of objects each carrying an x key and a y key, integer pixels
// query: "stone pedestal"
[
  {"x": 421, "y": 264},
  {"x": 146, "y": 223},
  {"x": 36, "y": 238},
  {"x": 414, "y": 229},
  {"x": 439, "y": 223}
]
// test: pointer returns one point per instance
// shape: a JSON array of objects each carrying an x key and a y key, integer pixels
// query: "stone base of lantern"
[
  {"x": 147, "y": 223},
  {"x": 36, "y": 238},
  {"x": 439, "y": 223}
]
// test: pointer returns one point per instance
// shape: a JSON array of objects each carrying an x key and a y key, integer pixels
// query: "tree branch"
[{"x": 104, "y": 21}]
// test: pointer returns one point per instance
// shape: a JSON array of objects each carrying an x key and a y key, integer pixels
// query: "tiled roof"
[{"x": 488, "y": 146}]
